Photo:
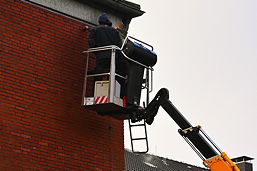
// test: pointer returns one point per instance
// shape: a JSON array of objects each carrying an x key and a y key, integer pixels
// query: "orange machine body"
[{"x": 221, "y": 163}]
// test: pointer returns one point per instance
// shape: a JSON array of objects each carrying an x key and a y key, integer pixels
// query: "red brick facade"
[{"x": 42, "y": 125}]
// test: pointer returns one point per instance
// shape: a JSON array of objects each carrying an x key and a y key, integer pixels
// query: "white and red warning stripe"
[{"x": 101, "y": 99}]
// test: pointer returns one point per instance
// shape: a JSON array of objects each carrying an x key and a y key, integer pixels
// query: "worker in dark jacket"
[{"x": 104, "y": 35}]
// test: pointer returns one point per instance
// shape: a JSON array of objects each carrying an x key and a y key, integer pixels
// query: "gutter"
[{"x": 118, "y": 6}]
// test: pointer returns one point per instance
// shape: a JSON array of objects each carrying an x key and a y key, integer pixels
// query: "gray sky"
[{"x": 207, "y": 58}]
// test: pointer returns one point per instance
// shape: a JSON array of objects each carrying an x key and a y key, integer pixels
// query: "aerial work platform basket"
[{"x": 110, "y": 93}]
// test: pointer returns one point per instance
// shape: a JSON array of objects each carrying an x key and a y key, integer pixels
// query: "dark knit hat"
[{"x": 103, "y": 19}]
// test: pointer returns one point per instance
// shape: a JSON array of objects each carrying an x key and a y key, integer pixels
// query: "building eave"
[{"x": 126, "y": 8}]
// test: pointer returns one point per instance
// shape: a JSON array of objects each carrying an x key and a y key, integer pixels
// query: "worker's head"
[{"x": 104, "y": 20}]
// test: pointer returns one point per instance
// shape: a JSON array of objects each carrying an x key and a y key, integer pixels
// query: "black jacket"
[{"x": 103, "y": 35}]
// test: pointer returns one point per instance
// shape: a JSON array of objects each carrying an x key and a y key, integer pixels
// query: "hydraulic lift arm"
[{"x": 207, "y": 150}]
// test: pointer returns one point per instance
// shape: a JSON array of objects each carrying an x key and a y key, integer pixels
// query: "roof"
[
  {"x": 242, "y": 158},
  {"x": 139, "y": 162},
  {"x": 128, "y": 9}
]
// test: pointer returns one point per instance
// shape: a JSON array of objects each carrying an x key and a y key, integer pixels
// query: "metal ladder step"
[{"x": 137, "y": 125}]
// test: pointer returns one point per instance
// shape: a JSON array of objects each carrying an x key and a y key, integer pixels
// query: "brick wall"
[{"x": 42, "y": 126}]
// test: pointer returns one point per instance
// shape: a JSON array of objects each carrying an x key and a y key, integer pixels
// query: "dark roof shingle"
[{"x": 147, "y": 162}]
